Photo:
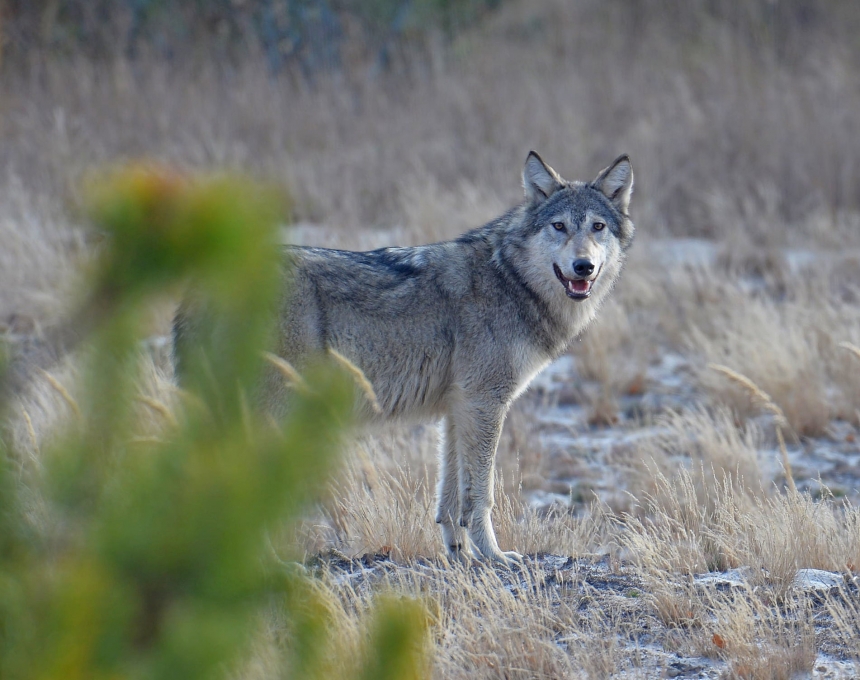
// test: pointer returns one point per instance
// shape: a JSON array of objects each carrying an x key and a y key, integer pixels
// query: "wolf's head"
[{"x": 573, "y": 235}]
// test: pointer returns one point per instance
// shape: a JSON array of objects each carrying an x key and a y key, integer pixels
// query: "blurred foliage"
[
  {"x": 163, "y": 569},
  {"x": 308, "y": 34}
]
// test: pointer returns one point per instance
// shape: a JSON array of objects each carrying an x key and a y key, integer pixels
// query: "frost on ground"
[
  {"x": 601, "y": 616},
  {"x": 649, "y": 489},
  {"x": 662, "y": 535},
  {"x": 664, "y": 538}
]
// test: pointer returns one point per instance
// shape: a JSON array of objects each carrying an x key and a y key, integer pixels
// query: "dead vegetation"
[{"x": 737, "y": 134}]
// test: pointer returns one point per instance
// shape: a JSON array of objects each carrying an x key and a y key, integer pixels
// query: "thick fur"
[{"x": 456, "y": 330}]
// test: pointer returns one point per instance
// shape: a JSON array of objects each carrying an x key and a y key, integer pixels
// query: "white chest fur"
[{"x": 530, "y": 364}]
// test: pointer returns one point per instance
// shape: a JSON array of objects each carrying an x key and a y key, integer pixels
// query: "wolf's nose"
[{"x": 583, "y": 267}]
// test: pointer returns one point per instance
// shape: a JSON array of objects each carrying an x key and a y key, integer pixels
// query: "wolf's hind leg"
[
  {"x": 478, "y": 427},
  {"x": 448, "y": 507}
]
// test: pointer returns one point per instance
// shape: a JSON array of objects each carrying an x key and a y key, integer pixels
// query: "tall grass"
[{"x": 741, "y": 122}]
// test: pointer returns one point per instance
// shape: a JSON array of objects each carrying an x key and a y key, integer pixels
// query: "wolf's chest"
[{"x": 527, "y": 365}]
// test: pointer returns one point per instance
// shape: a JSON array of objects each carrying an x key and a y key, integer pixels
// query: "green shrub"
[{"x": 162, "y": 569}]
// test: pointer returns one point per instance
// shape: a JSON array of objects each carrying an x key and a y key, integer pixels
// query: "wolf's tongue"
[{"x": 578, "y": 286}]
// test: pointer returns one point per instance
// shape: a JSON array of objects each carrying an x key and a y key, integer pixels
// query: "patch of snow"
[
  {"x": 816, "y": 579},
  {"x": 735, "y": 578}
]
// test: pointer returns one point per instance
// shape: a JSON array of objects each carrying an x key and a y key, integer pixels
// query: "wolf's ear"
[
  {"x": 616, "y": 183},
  {"x": 539, "y": 180}
]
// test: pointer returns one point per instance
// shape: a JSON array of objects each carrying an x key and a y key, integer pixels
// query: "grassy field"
[{"x": 707, "y": 421}]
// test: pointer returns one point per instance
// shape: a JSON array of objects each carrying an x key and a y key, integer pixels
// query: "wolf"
[{"x": 455, "y": 331}]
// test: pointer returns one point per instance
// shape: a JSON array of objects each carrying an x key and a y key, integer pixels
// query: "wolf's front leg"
[
  {"x": 477, "y": 427},
  {"x": 448, "y": 494}
]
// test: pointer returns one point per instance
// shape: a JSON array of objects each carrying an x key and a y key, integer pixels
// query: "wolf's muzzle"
[{"x": 578, "y": 288}]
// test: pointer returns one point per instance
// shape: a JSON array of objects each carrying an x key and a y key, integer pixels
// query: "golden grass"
[
  {"x": 762, "y": 398},
  {"x": 760, "y": 641},
  {"x": 296, "y": 381},
  {"x": 286, "y": 369},
  {"x": 713, "y": 451},
  {"x": 34, "y": 440},
  {"x": 854, "y": 349},
  {"x": 715, "y": 515},
  {"x": 435, "y": 153},
  {"x": 62, "y": 391},
  {"x": 360, "y": 379},
  {"x": 160, "y": 408},
  {"x": 765, "y": 402}
]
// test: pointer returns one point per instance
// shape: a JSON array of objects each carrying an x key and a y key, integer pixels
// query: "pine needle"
[
  {"x": 360, "y": 379},
  {"x": 62, "y": 391}
]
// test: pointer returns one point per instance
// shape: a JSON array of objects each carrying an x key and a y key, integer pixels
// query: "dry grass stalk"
[
  {"x": 846, "y": 615},
  {"x": 767, "y": 404},
  {"x": 762, "y": 398},
  {"x": 783, "y": 346},
  {"x": 160, "y": 408},
  {"x": 360, "y": 379},
  {"x": 62, "y": 391},
  {"x": 854, "y": 349},
  {"x": 286, "y": 369},
  {"x": 758, "y": 641},
  {"x": 32, "y": 432},
  {"x": 296, "y": 381}
]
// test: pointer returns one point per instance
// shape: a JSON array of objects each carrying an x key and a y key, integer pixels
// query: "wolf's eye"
[
  {"x": 558, "y": 226},
  {"x": 598, "y": 226}
]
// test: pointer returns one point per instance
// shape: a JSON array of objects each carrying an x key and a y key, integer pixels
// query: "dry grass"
[
  {"x": 712, "y": 449},
  {"x": 714, "y": 516},
  {"x": 765, "y": 402},
  {"x": 789, "y": 349},
  {"x": 384, "y": 502},
  {"x": 769, "y": 344},
  {"x": 710, "y": 117},
  {"x": 736, "y": 134},
  {"x": 774, "y": 535},
  {"x": 762, "y": 642}
]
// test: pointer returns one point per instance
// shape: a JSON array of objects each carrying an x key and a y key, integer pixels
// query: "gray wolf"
[{"x": 457, "y": 330}]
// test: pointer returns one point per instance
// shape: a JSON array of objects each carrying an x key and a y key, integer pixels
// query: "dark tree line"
[{"x": 308, "y": 34}]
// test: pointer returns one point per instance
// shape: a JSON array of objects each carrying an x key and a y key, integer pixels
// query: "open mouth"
[{"x": 578, "y": 289}]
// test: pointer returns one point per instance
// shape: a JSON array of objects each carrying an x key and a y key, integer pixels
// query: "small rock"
[
  {"x": 679, "y": 668},
  {"x": 817, "y": 579},
  {"x": 737, "y": 578}
]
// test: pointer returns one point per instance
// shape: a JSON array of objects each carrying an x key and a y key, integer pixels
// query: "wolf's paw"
[
  {"x": 459, "y": 552},
  {"x": 512, "y": 558},
  {"x": 513, "y": 555},
  {"x": 508, "y": 559}
]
